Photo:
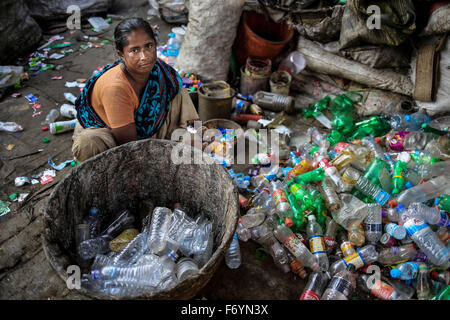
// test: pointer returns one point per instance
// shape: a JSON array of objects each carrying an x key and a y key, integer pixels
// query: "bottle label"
[
  {"x": 330, "y": 243},
  {"x": 374, "y": 227},
  {"x": 397, "y": 141},
  {"x": 341, "y": 285},
  {"x": 413, "y": 225},
  {"x": 348, "y": 180},
  {"x": 340, "y": 147},
  {"x": 381, "y": 290},
  {"x": 293, "y": 244},
  {"x": 309, "y": 295},
  {"x": 316, "y": 244},
  {"x": 443, "y": 222},
  {"x": 382, "y": 197},
  {"x": 279, "y": 196},
  {"x": 354, "y": 259},
  {"x": 345, "y": 247}
]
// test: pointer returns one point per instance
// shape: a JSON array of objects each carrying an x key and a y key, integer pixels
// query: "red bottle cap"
[
  {"x": 288, "y": 222},
  {"x": 44, "y": 128}
]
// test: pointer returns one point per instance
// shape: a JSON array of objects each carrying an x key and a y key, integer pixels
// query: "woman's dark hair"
[{"x": 125, "y": 27}]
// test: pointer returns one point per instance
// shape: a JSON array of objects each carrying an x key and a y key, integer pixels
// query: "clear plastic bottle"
[
  {"x": 314, "y": 288},
  {"x": 415, "y": 120},
  {"x": 90, "y": 248},
  {"x": 352, "y": 210},
  {"x": 350, "y": 176},
  {"x": 233, "y": 254},
  {"x": 344, "y": 244},
  {"x": 370, "y": 189},
  {"x": 396, "y": 254},
  {"x": 405, "y": 271},
  {"x": 395, "y": 230},
  {"x": 380, "y": 289},
  {"x": 328, "y": 190},
  {"x": 418, "y": 140},
  {"x": 362, "y": 257},
  {"x": 133, "y": 251},
  {"x": 294, "y": 63},
  {"x": 82, "y": 233},
  {"x": 262, "y": 181},
  {"x": 430, "y": 215},
  {"x": 173, "y": 48},
  {"x": 422, "y": 192},
  {"x": 400, "y": 286},
  {"x": 316, "y": 242},
  {"x": 185, "y": 267},
  {"x": 373, "y": 223},
  {"x": 281, "y": 203},
  {"x": 242, "y": 232},
  {"x": 51, "y": 116},
  {"x": 93, "y": 222},
  {"x": 124, "y": 220},
  {"x": 424, "y": 286},
  {"x": 427, "y": 171},
  {"x": 140, "y": 275},
  {"x": 376, "y": 149},
  {"x": 330, "y": 235},
  {"x": 397, "y": 121},
  {"x": 159, "y": 229},
  {"x": 295, "y": 246},
  {"x": 428, "y": 242},
  {"x": 342, "y": 285},
  {"x": 254, "y": 217},
  {"x": 356, "y": 234}
]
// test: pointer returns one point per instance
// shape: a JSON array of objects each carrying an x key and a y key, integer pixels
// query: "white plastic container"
[
  {"x": 68, "y": 111},
  {"x": 62, "y": 126}
]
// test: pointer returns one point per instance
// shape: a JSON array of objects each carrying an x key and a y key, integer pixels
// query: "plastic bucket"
[
  {"x": 214, "y": 100},
  {"x": 280, "y": 82},
  {"x": 260, "y": 38}
]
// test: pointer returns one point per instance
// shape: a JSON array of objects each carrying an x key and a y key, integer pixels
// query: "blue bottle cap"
[
  {"x": 395, "y": 273},
  {"x": 400, "y": 208},
  {"x": 172, "y": 35},
  {"x": 93, "y": 211},
  {"x": 407, "y": 118},
  {"x": 408, "y": 185}
]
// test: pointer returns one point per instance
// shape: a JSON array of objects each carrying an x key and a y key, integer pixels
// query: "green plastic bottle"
[
  {"x": 398, "y": 177},
  {"x": 444, "y": 294},
  {"x": 373, "y": 170},
  {"x": 343, "y": 112},
  {"x": 335, "y": 137},
  {"x": 444, "y": 202},
  {"x": 298, "y": 217},
  {"x": 317, "y": 108},
  {"x": 310, "y": 176},
  {"x": 374, "y": 126}
]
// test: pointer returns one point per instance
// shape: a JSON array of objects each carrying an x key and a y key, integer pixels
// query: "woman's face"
[{"x": 139, "y": 55}]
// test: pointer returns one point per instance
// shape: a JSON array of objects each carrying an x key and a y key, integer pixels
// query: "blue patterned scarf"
[{"x": 163, "y": 85}]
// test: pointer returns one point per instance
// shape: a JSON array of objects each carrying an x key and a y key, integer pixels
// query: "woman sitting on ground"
[{"x": 137, "y": 97}]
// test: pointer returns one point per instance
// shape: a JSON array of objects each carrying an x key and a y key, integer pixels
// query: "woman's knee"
[{"x": 91, "y": 142}]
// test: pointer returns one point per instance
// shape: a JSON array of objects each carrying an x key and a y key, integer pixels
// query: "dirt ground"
[{"x": 25, "y": 272}]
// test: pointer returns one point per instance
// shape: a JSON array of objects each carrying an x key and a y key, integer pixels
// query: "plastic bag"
[
  {"x": 210, "y": 34},
  {"x": 10, "y": 75},
  {"x": 438, "y": 23},
  {"x": 173, "y": 11},
  {"x": 397, "y": 22},
  {"x": 321, "y": 61}
]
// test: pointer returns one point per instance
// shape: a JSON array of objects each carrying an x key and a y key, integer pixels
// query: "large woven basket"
[{"x": 123, "y": 176}]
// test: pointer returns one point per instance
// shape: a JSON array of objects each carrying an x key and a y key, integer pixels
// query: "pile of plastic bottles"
[
  {"x": 123, "y": 261},
  {"x": 362, "y": 210}
]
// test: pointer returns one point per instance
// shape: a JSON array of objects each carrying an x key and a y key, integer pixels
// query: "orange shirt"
[{"x": 113, "y": 98}]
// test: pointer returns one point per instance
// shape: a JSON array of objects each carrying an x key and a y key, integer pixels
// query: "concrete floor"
[{"x": 25, "y": 272}]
